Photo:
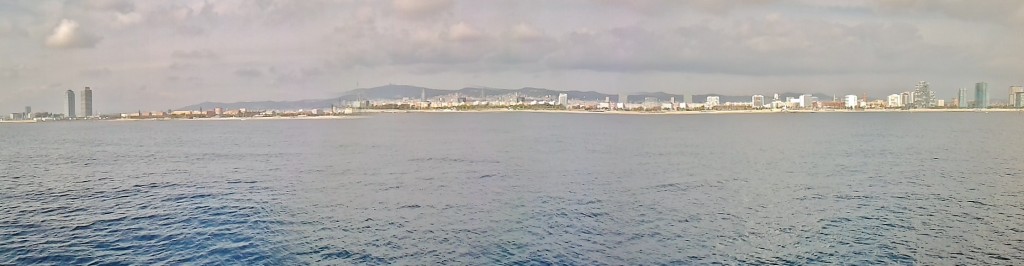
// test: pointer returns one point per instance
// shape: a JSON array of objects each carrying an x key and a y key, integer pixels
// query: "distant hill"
[
  {"x": 390, "y": 92},
  {"x": 264, "y": 105}
]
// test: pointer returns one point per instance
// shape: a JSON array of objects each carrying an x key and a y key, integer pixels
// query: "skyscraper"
[
  {"x": 1013, "y": 95},
  {"x": 69, "y": 104},
  {"x": 981, "y": 95},
  {"x": 923, "y": 96},
  {"x": 961, "y": 98},
  {"x": 563, "y": 99},
  {"x": 86, "y": 102}
]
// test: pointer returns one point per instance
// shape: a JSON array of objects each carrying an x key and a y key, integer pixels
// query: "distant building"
[
  {"x": 907, "y": 99},
  {"x": 563, "y": 99},
  {"x": 923, "y": 96},
  {"x": 806, "y": 101},
  {"x": 28, "y": 111},
  {"x": 86, "y": 102},
  {"x": 894, "y": 101},
  {"x": 711, "y": 102},
  {"x": 218, "y": 111},
  {"x": 651, "y": 103},
  {"x": 1014, "y": 100},
  {"x": 850, "y": 101},
  {"x": 981, "y": 95},
  {"x": 624, "y": 99},
  {"x": 1020, "y": 100},
  {"x": 757, "y": 101},
  {"x": 940, "y": 103},
  {"x": 69, "y": 104},
  {"x": 961, "y": 98}
]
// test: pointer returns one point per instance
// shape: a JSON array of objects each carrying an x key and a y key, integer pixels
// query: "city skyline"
[
  {"x": 920, "y": 96},
  {"x": 154, "y": 55}
]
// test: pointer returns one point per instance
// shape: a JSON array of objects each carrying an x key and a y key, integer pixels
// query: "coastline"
[
  {"x": 697, "y": 112},
  {"x": 364, "y": 113},
  {"x": 277, "y": 118}
]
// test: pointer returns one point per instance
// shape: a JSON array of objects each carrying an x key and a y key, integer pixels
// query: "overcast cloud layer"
[{"x": 154, "y": 55}]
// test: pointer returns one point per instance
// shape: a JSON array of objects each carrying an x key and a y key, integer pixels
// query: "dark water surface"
[{"x": 518, "y": 188}]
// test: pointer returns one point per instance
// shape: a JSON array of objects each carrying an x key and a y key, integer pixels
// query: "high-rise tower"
[
  {"x": 923, "y": 97},
  {"x": 1014, "y": 90},
  {"x": 961, "y": 98},
  {"x": 86, "y": 102},
  {"x": 69, "y": 104},
  {"x": 981, "y": 95}
]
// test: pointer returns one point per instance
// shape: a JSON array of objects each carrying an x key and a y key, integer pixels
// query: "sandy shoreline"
[
  {"x": 277, "y": 118},
  {"x": 362, "y": 114},
  {"x": 697, "y": 112}
]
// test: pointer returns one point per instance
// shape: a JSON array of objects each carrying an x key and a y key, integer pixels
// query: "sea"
[{"x": 518, "y": 189}]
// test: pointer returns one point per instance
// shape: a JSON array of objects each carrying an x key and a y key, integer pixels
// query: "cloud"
[
  {"x": 1000, "y": 11},
  {"x": 421, "y": 8},
  {"x": 123, "y": 6},
  {"x": 462, "y": 32},
  {"x": 248, "y": 73},
  {"x": 195, "y": 54},
  {"x": 96, "y": 72},
  {"x": 524, "y": 32},
  {"x": 189, "y": 30},
  {"x": 128, "y": 18},
  {"x": 68, "y": 35},
  {"x": 652, "y": 7}
]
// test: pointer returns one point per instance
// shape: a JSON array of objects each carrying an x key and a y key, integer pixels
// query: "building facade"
[
  {"x": 1014, "y": 100},
  {"x": 850, "y": 101},
  {"x": 923, "y": 96},
  {"x": 757, "y": 101},
  {"x": 86, "y": 102},
  {"x": 711, "y": 102},
  {"x": 961, "y": 98},
  {"x": 894, "y": 101},
  {"x": 69, "y": 104},
  {"x": 981, "y": 95}
]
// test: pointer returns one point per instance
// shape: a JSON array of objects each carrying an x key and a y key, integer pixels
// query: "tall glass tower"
[
  {"x": 69, "y": 104},
  {"x": 86, "y": 102},
  {"x": 961, "y": 98},
  {"x": 981, "y": 95}
]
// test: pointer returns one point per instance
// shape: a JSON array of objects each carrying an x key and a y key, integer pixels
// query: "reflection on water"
[{"x": 518, "y": 188}]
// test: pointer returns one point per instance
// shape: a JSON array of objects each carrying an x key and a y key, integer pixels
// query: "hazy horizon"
[{"x": 155, "y": 55}]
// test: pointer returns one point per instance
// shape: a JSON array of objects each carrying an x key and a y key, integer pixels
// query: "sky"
[{"x": 157, "y": 55}]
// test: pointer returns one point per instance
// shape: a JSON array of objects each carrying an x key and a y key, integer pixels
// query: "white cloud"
[
  {"x": 463, "y": 32},
  {"x": 524, "y": 32},
  {"x": 68, "y": 35},
  {"x": 128, "y": 18},
  {"x": 421, "y": 8},
  {"x": 575, "y": 43},
  {"x": 195, "y": 54}
]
